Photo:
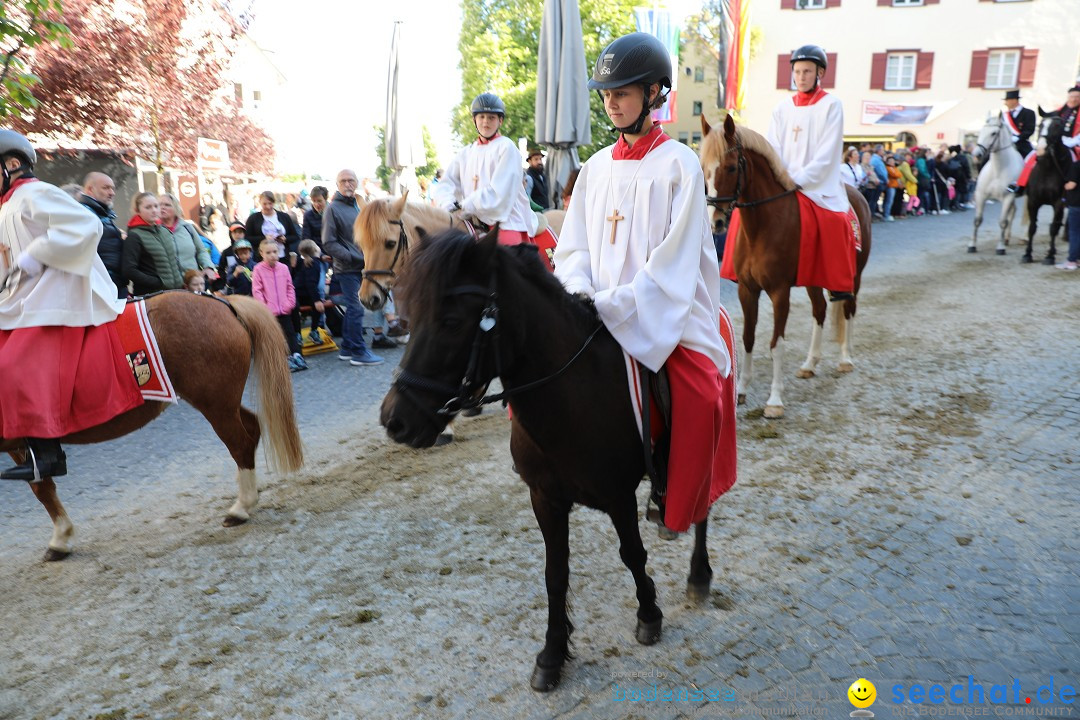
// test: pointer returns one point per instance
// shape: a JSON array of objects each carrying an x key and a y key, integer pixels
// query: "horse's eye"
[
  {"x": 390, "y": 244},
  {"x": 731, "y": 168}
]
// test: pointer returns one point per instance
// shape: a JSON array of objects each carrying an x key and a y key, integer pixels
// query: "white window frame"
[
  {"x": 897, "y": 73},
  {"x": 811, "y": 4},
  {"x": 998, "y": 73},
  {"x": 908, "y": 3}
]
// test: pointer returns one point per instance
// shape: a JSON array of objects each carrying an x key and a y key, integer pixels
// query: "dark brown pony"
[
  {"x": 207, "y": 346},
  {"x": 473, "y": 310},
  {"x": 1046, "y": 184},
  {"x": 742, "y": 170}
]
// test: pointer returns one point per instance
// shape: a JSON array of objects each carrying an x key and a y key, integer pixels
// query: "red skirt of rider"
[
  {"x": 60, "y": 380},
  {"x": 701, "y": 465},
  {"x": 545, "y": 243},
  {"x": 1025, "y": 173},
  {"x": 828, "y": 244}
]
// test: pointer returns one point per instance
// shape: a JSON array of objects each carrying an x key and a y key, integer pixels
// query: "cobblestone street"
[{"x": 912, "y": 523}]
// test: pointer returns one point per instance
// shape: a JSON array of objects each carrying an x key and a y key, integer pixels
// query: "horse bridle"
[
  {"x": 732, "y": 201},
  {"x": 465, "y": 395},
  {"x": 402, "y": 247},
  {"x": 989, "y": 151}
]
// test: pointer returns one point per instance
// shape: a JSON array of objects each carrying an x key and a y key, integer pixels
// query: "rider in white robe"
[
  {"x": 807, "y": 132},
  {"x": 485, "y": 180}
]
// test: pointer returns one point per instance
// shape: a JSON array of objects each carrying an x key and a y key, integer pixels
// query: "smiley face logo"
[{"x": 862, "y": 693}]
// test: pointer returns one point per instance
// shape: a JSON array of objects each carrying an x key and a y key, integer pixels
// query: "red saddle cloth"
[
  {"x": 143, "y": 357},
  {"x": 828, "y": 244}
]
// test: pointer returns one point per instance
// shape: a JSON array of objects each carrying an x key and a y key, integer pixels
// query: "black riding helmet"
[
  {"x": 487, "y": 103},
  {"x": 635, "y": 58},
  {"x": 813, "y": 53},
  {"x": 15, "y": 144}
]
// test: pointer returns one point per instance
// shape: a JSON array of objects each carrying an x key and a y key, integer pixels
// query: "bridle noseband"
[
  {"x": 732, "y": 201},
  {"x": 466, "y": 395},
  {"x": 402, "y": 247},
  {"x": 991, "y": 150}
]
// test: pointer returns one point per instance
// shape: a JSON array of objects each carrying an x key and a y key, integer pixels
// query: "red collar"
[
  {"x": 484, "y": 141},
  {"x": 645, "y": 143},
  {"x": 137, "y": 221},
  {"x": 802, "y": 99},
  {"x": 15, "y": 186}
]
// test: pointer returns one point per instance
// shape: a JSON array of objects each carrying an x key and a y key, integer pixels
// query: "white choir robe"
[
  {"x": 810, "y": 143},
  {"x": 658, "y": 286},
  {"x": 497, "y": 194},
  {"x": 74, "y": 290}
]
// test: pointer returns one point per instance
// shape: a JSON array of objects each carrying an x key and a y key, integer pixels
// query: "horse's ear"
[
  {"x": 421, "y": 233},
  {"x": 487, "y": 243},
  {"x": 397, "y": 207},
  {"x": 1042, "y": 113},
  {"x": 361, "y": 201},
  {"x": 729, "y": 126},
  {"x": 705, "y": 126}
]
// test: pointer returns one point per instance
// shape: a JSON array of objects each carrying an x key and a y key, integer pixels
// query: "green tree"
[
  {"x": 499, "y": 43},
  {"x": 23, "y": 26},
  {"x": 425, "y": 172}
]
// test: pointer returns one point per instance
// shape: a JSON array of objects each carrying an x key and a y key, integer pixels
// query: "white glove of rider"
[
  {"x": 1070, "y": 142},
  {"x": 29, "y": 265}
]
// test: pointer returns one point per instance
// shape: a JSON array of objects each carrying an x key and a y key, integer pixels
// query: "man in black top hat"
[{"x": 1021, "y": 121}]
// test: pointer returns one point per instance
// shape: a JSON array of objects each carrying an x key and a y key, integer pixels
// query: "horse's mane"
[
  {"x": 376, "y": 215},
  {"x": 714, "y": 147},
  {"x": 437, "y": 263}
]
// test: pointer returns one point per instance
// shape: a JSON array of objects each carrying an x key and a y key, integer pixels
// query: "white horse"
[{"x": 1003, "y": 169}]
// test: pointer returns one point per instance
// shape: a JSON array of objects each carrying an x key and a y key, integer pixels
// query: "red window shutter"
[
  {"x": 829, "y": 81},
  {"x": 787, "y": 4},
  {"x": 931, "y": 2},
  {"x": 884, "y": 3},
  {"x": 979, "y": 60},
  {"x": 1028, "y": 58},
  {"x": 924, "y": 70},
  {"x": 783, "y": 72},
  {"x": 877, "y": 71},
  {"x": 832, "y": 3}
]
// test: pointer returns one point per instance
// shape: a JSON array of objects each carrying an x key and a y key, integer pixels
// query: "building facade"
[{"x": 913, "y": 72}]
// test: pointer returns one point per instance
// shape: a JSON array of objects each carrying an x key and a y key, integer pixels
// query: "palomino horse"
[
  {"x": 573, "y": 435},
  {"x": 1046, "y": 184},
  {"x": 995, "y": 140},
  {"x": 742, "y": 170},
  {"x": 207, "y": 346}
]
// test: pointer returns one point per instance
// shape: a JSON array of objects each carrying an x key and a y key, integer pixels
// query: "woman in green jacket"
[{"x": 149, "y": 260}]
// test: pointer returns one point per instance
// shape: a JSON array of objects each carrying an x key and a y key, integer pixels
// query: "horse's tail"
[{"x": 277, "y": 415}]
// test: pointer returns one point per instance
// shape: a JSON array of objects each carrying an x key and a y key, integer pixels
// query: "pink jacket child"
[{"x": 272, "y": 285}]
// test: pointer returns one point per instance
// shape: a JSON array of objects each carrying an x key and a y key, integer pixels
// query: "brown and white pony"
[
  {"x": 742, "y": 170},
  {"x": 208, "y": 346}
]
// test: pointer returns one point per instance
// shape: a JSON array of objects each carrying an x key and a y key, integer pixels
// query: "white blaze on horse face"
[{"x": 710, "y": 189}]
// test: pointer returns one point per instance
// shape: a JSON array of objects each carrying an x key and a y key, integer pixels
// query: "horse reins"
[
  {"x": 732, "y": 201},
  {"x": 464, "y": 396},
  {"x": 989, "y": 151},
  {"x": 402, "y": 247}
]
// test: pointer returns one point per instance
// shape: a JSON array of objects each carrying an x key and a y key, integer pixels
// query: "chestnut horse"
[
  {"x": 574, "y": 439},
  {"x": 742, "y": 170},
  {"x": 207, "y": 346}
]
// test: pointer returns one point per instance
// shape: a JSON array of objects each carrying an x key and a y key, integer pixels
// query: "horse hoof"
[
  {"x": 773, "y": 412},
  {"x": 1048, "y": 260},
  {"x": 971, "y": 248},
  {"x": 845, "y": 367},
  {"x": 544, "y": 679},
  {"x": 803, "y": 373},
  {"x": 697, "y": 593},
  {"x": 444, "y": 439},
  {"x": 664, "y": 533},
  {"x": 232, "y": 521},
  {"x": 741, "y": 400},
  {"x": 1026, "y": 259},
  {"x": 54, "y": 555},
  {"x": 648, "y": 633},
  {"x": 999, "y": 251}
]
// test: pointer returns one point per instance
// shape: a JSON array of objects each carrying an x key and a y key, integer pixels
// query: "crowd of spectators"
[{"x": 911, "y": 182}]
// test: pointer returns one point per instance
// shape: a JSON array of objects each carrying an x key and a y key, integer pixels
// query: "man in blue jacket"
[{"x": 337, "y": 242}]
